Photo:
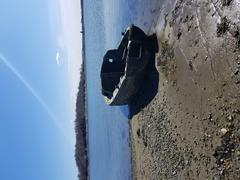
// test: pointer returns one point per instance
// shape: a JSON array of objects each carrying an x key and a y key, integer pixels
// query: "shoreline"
[
  {"x": 81, "y": 121},
  {"x": 190, "y": 129}
]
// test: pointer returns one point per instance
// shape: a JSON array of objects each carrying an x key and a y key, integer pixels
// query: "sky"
[{"x": 40, "y": 58}]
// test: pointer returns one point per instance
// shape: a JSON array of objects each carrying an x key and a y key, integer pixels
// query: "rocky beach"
[{"x": 189, "y": 127}]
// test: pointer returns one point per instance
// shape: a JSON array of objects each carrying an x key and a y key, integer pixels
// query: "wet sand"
[{"x": 191, "y": 129}]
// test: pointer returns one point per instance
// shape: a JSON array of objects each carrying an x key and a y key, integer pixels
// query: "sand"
[{"x": 188, "y": 126}]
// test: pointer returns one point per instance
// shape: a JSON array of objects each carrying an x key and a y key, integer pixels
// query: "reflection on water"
[{"x": 124, "y": 110}]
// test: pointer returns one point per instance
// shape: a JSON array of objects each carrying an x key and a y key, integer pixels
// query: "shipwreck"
[{"x": 123, "y": 68}]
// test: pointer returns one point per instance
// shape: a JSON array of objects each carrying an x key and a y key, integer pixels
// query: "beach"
[{"x": 188, "y": 127}]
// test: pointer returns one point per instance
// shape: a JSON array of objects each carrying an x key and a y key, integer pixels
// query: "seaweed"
[
  {"x": 226, "y": 2},
  {"x": 223, "y": 27}
]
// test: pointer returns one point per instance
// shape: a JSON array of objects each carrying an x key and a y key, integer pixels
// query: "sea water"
[{"x": 108, "y": 141}]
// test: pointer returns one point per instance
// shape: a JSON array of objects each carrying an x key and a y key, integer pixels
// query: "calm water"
[{"x": 109, "y": 152}]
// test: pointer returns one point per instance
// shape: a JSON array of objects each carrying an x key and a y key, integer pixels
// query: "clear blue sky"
[{"x": 39, "y": 72}]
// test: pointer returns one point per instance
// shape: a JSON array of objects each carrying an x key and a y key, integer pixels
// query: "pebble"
[
  {"x": 223, "y": 130},
  {"x": 230, "y": 118}
]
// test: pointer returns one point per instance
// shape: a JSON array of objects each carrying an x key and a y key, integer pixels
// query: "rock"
[
  {"x": 224, "y": 130},
  {"x": 230, "y": 118}
]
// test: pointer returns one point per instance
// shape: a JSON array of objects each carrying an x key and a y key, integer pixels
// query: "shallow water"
[{"x": 109, "y": 152}]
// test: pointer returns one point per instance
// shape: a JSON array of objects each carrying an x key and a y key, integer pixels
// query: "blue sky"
[{"x": 40, "y": 56}]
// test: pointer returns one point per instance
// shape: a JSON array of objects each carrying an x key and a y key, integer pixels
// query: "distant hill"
[
  {"x": 81, "y": 129},
  {"x": 81, "y": 149}
]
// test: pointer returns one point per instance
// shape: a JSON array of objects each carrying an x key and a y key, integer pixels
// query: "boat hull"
[{"x": 135, "y": 50}]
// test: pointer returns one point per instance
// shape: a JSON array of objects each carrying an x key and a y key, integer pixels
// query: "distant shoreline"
[{"x": 81, "y": 123}]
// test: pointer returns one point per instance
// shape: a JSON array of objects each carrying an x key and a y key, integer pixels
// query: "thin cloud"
[
  {"x": 57, "y": 58},
  {"x": 35, "y": 95}
]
